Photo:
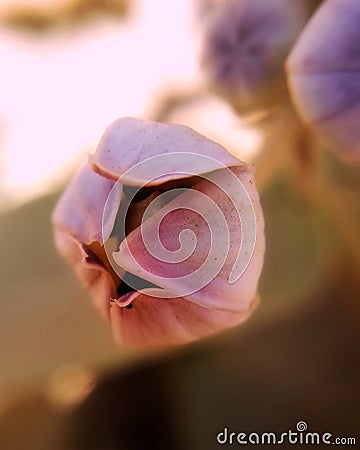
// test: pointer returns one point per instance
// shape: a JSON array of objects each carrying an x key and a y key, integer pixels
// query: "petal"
[
  {"x": 335, "y": 94},
  {"x": 77, "y": 219},
  {"x": 80, "y": 208},
  {"x": 192, "y": 246},
  {"x": 156, "y": 322},
  {"x": 324, "y": 76},
  {"x": 131, "y": 149},
  {"x": 92, "y": 275},
  {"x": 330, "y": 104},
  {"x": 330, "y": 40}
]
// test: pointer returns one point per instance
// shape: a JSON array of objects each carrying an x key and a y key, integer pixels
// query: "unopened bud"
[
  {"x": 324, "y": 76},
  {"x": 245, "y": 47}
]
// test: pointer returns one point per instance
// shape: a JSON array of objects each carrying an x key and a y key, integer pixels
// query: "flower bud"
[
  {"x": 324, "y": 76},
  {"x": 245, "y": 47},
  {"x": 165, "y": 229}
]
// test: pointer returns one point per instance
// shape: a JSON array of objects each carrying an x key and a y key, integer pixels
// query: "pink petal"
[
  {"x": 211, "y": 286},
  {"x": 77, "y": 222},
  {"x": 92, "y": 275},
  {"x": 80, "y": 208},
  {"x": 128, "y": 142},
  {"x": 156, "y": 322}
]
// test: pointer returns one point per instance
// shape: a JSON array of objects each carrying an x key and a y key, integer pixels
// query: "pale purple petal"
[
  {"x": 128, "y": 142},
  {"x": 80, "y": 209},
  {"x": 77, "y": 221},
  {"x": 324, "y": 76}
]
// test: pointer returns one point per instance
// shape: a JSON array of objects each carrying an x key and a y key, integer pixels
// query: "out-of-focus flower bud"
[
  {"x": 324, "y": 76},
  {"x": 165, "y": 229},
  {"x": 245, "y": 47}
]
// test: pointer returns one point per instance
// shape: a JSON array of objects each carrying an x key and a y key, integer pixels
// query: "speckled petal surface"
[{"x": 218, "y": 294}]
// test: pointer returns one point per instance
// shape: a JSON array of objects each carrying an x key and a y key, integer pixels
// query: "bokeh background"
[{"x": 68, "y": 69}]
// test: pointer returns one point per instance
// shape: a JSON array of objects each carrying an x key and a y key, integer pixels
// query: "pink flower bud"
[
  {"x": 165, "y": 229},
  {"x": 324, "y": 76},
  {"x": 245, "y": 47}
]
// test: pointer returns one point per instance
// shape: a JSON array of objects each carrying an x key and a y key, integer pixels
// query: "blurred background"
[{"x": 68, "y": 69}]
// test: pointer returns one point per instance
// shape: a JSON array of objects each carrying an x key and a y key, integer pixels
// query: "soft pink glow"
[{"x": 59, "y": 91}]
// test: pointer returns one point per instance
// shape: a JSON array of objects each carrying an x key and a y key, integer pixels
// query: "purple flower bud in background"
[
  {"x": 165, "y": 229},
  {"x": 324, "y": 76},
  {"x": 245, "y": 47}
]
